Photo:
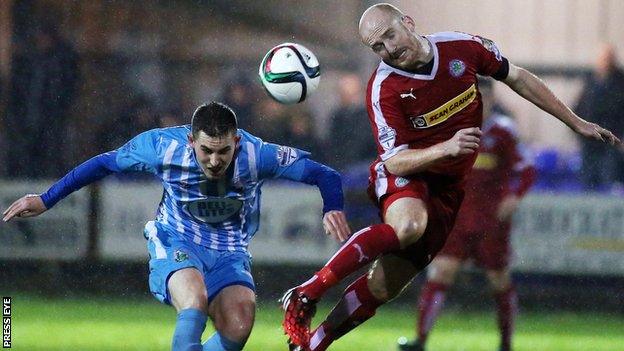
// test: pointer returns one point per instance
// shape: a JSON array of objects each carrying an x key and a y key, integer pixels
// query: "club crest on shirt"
[
  {"x": 457, "y": 68},
  {"x": 387, "y": 137},
  {"x": 400, "y": 182},
  {"x": 286, "y": 156},
  {"x": 180, "y": 256}
]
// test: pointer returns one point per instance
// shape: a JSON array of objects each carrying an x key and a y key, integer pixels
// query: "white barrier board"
[
  {"x": 552, "y": 234},
  {"x": 570, "y": 234},
  {"x": 58, "y": 234}
]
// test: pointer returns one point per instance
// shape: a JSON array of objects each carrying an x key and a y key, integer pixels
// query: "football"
[{"x": 289, "y": 73}]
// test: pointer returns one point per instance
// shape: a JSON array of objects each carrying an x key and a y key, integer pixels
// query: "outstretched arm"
[
  {"x": 290, "y": 163},
  {"x": 330, "y": 185},
  {"x": 88, "y": 172},
  {"x": 139, "y": 154},
  {"x": 530, "y": 87}
]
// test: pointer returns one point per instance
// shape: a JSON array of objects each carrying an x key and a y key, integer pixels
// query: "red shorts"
[
  {"x": 488, "y": 246},
  {"x": 442, "y": 196}
]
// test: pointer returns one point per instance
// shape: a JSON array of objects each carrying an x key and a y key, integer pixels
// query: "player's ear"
[
  {"x": 237, "y": 139},
  {"x": 408, "y": 22},
  {"x": 190, "y": 138}
]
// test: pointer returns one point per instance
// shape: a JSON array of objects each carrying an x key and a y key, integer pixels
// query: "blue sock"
[
  {"x": 190, "y": 325},
  {"x": 220, "y": 343}
]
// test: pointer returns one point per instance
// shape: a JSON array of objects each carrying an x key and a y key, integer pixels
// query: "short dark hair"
[{"x": 215, "y": 119}]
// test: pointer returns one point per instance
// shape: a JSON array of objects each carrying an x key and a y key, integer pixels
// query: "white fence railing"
[{"x": 579, "y": 234}]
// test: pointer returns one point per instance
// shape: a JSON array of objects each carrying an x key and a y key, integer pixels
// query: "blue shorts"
[{"x": 170, "y": 252}]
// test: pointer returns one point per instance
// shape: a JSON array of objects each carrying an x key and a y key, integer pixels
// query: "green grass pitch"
[{"x": 101, "y": 324}]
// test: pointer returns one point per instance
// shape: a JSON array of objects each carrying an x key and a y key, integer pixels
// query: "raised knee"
[
  {"x": 382, "y": 292},
  {"x": 442, "y": 271},
  {"x": 238, "y": 323},
  {"x": 499, "y": 280},
  {"x": 409, "y": 231}
]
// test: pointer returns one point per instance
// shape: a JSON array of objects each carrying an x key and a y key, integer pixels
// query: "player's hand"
[
  {"x": 28, "y": 206},
  {"x": 594, "y": 131},
  {"x": 335, "y": 224},
  {"x": 507, "y": 207},
  {"x": 464, "y": 142}
]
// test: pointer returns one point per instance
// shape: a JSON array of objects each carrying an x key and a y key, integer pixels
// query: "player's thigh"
[
  {"x": 443, "y": 269},
  {"x": 230, "y": 269},
  {"x": 408, "y": 217},
  {"x": 500, "y": 279},
  {"x": 172, "y": 257},
  {"x": 233, "y": 311},
  {"x": 493, "y": 253},
  {"x": 187, "y": 289},
  {"x": 389, "y": 275}
]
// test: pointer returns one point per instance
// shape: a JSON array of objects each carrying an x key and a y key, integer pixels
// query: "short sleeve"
[
  {"x": 490, "y": 59},
  {"x": 140, "y": 153}
]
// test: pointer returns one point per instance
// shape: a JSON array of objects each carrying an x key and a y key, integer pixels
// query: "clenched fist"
[{"x": 464, "y": 142}]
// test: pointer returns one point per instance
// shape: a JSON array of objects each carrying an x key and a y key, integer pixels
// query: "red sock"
[
  {"x": 356, "y": 306},
  {"x": 431, "y": 300},
  {"x": 506, "y": 309},
  {"x": 362, "y": 248}
]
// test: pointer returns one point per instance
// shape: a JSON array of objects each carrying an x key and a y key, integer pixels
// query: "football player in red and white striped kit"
[
  {"x": 425, "y": 111},
  {"x": 501, "y": 175}
]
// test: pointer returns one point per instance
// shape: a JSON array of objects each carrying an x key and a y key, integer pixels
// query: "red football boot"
[{"x": 299, "y": 311}]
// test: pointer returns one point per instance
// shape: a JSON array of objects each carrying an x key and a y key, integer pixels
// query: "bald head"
[
  {"x": 392, "y": 35},
  {"x": 378, "y": 15}
]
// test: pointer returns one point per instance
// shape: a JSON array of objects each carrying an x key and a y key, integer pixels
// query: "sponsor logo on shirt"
[
  {"x": 129, "y": 146},
  {"x": 457, "y": 68},
  {"x": 445, "y": 111},
  {"x": 490, "y": 46},
  {"x": 408, "y": 95},
  {"x": 387, "y": 137},
  {"x": 214, "y": 210},
  {"x": 286, "y": 156}
]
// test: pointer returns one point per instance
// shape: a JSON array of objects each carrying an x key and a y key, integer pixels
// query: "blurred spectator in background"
[
  {"x": 140, "y": 50},
  {"x": 602, "y": 102},
  {"x": 239, "y": 94},
  {"x": 300, "y": 134},
  {"x": 270, "y": 119},
  {"x": 349, "y": 134},
  {"x": 44, "y": 82},
  {"x": 137, "y": 116},
  {"x": 171, "y": 117}
]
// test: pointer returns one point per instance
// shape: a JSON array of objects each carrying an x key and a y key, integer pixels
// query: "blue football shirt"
[{"x": 222, "y": 215}]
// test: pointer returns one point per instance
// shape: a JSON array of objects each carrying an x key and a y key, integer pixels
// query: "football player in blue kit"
[{"x": 212, "y": 173}]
